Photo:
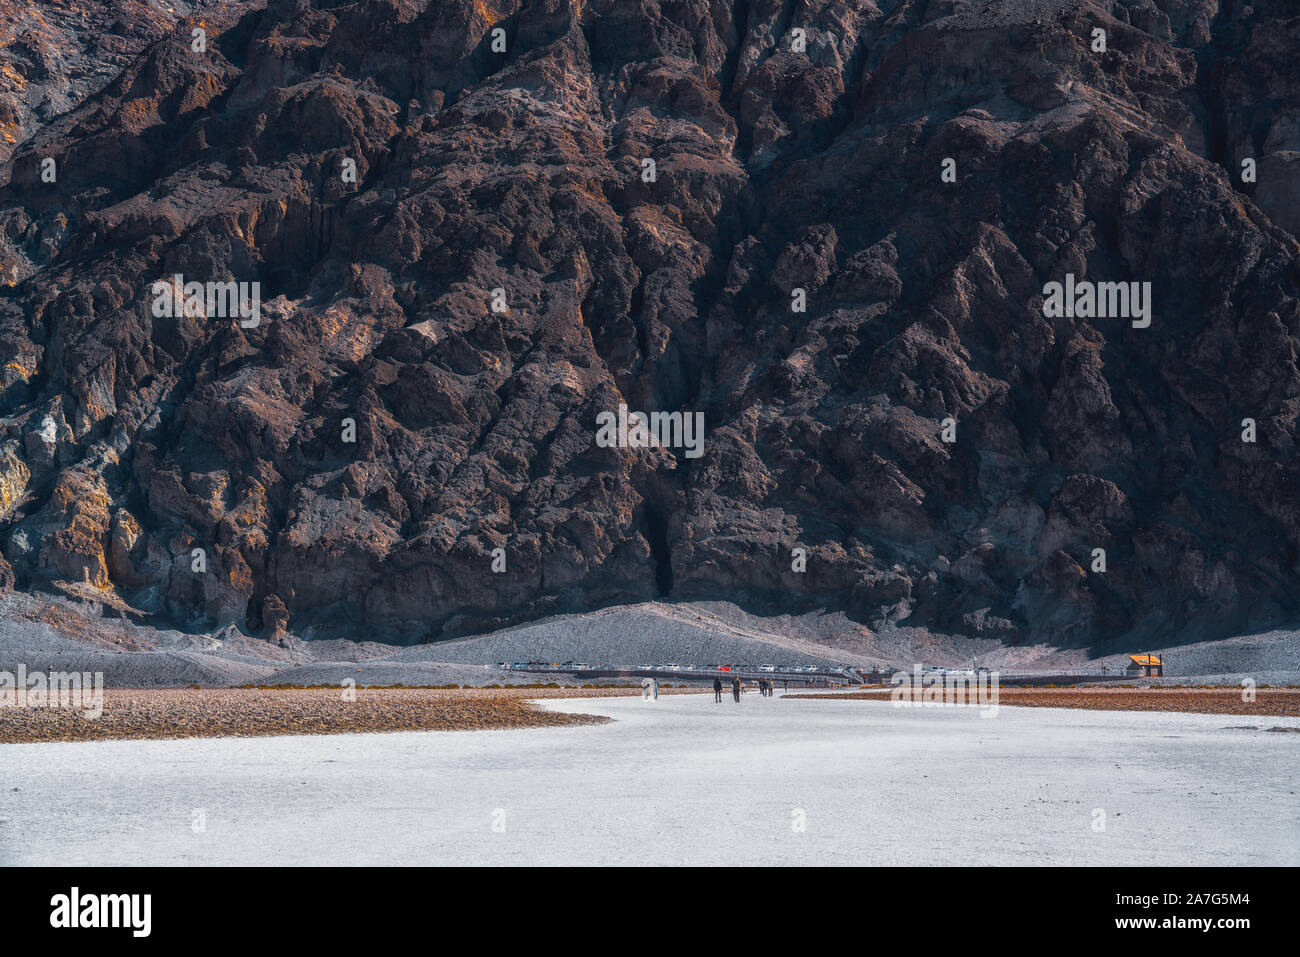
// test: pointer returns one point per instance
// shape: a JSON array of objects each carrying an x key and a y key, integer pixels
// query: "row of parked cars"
[
  {"x": 558, "y": 665},
  {"x": 671, "y": 666}
]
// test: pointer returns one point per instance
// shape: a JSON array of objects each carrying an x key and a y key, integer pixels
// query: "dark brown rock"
[{"x": 349, "y": 464}]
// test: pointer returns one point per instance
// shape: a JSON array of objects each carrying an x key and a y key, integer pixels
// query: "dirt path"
[{"x": 257, "y": 712}]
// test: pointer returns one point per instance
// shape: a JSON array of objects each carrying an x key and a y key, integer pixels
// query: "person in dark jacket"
[
  {"x": 717, "y": 689},
  {"x": 735, "y": 689}
]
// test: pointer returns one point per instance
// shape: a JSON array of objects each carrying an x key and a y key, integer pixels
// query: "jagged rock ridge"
[{"x": 130, "y": 440}]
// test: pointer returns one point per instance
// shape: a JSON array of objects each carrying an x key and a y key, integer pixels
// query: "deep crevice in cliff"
[{"x": 656, "y": 532}]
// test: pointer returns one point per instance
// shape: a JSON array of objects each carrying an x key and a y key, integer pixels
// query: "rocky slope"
[
  {"x": 55, "y": 53},
  {"x": 349, "y": 463}
]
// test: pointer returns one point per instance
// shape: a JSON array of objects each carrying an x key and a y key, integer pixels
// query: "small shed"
[{"x": 1145, "y": 666}]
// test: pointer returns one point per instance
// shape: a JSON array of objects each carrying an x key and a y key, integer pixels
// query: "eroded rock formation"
[{"x": 130, "y": 440}]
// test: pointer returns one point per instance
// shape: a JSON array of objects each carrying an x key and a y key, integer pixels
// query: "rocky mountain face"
[
  {"x": 55, "y": 53},
  {"x": 829, "y": 226}
]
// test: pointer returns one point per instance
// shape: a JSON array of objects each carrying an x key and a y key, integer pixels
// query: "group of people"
[{"x": 765, "y": 688}]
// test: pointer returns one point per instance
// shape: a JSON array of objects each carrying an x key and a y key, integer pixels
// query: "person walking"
[
  {"x": 717, "y": 689},
  {"x": 735, "y": 689}
]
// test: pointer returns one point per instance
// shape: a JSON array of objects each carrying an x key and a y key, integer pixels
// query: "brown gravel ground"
[
  {"x": 258, "y": 712},
  {"x": 1272, "y": 702}
]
